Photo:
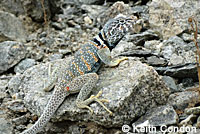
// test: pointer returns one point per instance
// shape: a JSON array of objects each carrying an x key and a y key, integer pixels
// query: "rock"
[
  {"x": 19, "y": 120},
  {"x": 55, "y": 57},
  {"x": 182, "y": 100},
  {"x": 176, "y": 60},
  {"x": 16, "y": 106},
  {"x": 155, "y": 61},
  {"x": 24, "y": 65},
  {"x": 58, "y": 26},
  {"x": 12, "y": 6},
  {"x": 5, "y": 126},
  {"x": 87, "y": 20},
  {"x": 171, "y": 18},
  {"x": 197, "y": 131},
  {"x": 139, "y": 39},
  {"x": 163, "y": 115},
  {"x": 130, "y": 49},
  {"x": 187, "y": 82},
  {"x": 13, "y": 85},
  {"x": 187, "y": 37},
  {"x": 154, "y": 46},
  {"x": 90, "y": 2},
  {"x": 3, "y": 84},
  {"x": 177, "y": 51},
  {"x": 170, "y": 83},
  {"x": 34, "y": 9},
  {"x": 11, "y": 53},
  {"x": 93, "y": 10},
  {"x": 117, "y": 8},
  {"x": 132, "y": 88},
  {"x": 8, "y": 31},
  {"x": 179, "y": 71},
  {"x": 142, "y": 11}
]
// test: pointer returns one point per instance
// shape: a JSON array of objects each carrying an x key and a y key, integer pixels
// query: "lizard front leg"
[
  {"x": 86, "y": 83},
  {"x": 105, "y": 56}
]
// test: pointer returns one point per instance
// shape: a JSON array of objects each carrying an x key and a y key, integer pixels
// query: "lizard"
[{"x": 81, "y": 75}]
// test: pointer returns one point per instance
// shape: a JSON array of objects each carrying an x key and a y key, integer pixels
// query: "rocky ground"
[{"x": 157, "y": 86}]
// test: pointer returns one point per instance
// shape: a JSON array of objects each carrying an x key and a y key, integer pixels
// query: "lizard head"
[{"x": 115, "y": 29}]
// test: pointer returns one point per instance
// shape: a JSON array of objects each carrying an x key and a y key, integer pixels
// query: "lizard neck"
[{"x": 101, "y": 41}]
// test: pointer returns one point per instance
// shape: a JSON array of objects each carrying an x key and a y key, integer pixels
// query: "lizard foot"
[
  {"x": 121, "y": 59},
  {"x": 116, "y": 62},
  {"x": 100, "y": 101},
  {"x": 50, "y": 82}
]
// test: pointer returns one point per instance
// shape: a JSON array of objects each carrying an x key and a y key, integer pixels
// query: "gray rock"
[
  {"x": 177, "y": 51},
  {"x": 55, "y": 57},
  {"x": 131, "y": 50},
  {"x": 163, "y": 115},
  {"x": 179, "y": 71},
  {"x": 90, "y": 2},
  {"x": 3, "y": 84},
  {"x": 117, "y": 8},
  {"x": 132, "y": 88},
  {"x": 139, "y": 39},
  {"x": 19, "y": 120},
  {"x": 5, "y": 126},
  {"x": 170, "y": 83},
  {"x": 8, "y": 31},
  {"x": 171, "y": 18},
  {"x": 24, "y": 65},
  {"x": 187, "y": 37},
  {"x": 182, "y": 100},
  {"x": 93, "y": 10},
  {"x": 11, "y": 53},
  {"x": 16, "y": 106},
  {"x": 194, "y": 132},
  {"x": 187, "y": 82},
  {"x": 13, "y": 85},
  {"x": 154, "y": 46},
  {"x": 34, "y": 9},
  {"x": 155, "y": 61},
  {"x": 143, "y": 12},
  {"x": 12, "y": 6}
]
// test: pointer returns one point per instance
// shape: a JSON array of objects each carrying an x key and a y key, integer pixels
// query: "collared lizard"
[{"x": 81, "y": 74}]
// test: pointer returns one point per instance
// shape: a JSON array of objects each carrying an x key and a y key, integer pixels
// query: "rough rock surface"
[
  {"x": 8, "y": 31},
  {"x": 24, "y": 65},
  {"x": 6, "y": 127},
  {"x": 164, "y": 115},
  {"x": 34, "y": 9},
  {"x": 131, "y": 88},
  {"x": 170, "y": 18},
  {"x": 12, "y": 6},
  {"x": 183, "y": 100},
  {"x": 11, "y": 53}
]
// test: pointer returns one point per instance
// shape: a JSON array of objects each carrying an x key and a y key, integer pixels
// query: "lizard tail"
[{"x": 56, "y": 99}]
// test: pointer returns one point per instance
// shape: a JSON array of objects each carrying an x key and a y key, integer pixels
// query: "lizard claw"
[{"x": 100, "y": 101}]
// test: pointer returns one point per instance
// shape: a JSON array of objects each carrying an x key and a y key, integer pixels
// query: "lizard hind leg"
[
  {"x": 105, "y": 56},
  {"x": 88, "y": 82}
]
